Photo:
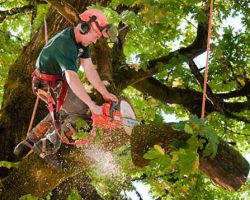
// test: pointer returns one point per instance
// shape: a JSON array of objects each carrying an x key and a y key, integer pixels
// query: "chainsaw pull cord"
[{"x": 206, "y": 71}]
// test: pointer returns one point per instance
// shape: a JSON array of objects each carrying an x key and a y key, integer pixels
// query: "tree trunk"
[{"x": 228, "y": 169}]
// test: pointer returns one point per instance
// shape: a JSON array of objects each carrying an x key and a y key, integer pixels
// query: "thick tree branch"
[
  {"x": 245, "y": 91},
  {"x": 66, "y": 10},
  {"x": 13, "y": 11},
  {"x": 228, "y": 174},
  {"x": 82, "y": 182},
  {"x": 156, "y": 89},
  {"x": 193, "y": 50}
]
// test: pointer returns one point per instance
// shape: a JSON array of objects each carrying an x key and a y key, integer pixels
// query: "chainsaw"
[{"x": 111, "y": 118}]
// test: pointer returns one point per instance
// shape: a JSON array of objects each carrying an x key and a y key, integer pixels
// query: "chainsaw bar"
[{"x": 130, "y": 122}]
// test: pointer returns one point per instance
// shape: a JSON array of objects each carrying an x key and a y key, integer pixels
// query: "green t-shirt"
[{"x": 61, "y": 53}]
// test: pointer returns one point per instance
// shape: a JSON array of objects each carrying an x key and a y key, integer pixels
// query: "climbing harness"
[
  {"x": 206, "y": 71},
  {"x": 56, "y": 86}
]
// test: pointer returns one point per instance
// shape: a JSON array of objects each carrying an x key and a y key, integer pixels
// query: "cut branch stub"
[{"x": 228, "y": 169}]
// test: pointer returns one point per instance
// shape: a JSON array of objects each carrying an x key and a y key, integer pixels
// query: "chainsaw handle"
[{"x": 113, "y": 108}]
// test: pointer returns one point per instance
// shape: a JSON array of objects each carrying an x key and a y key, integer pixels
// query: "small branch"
[
  {"x": 13, "y": 11},
  {"x": 193, "y": 50},
  {"x": 8, "y": 33},
  {"x": 236, "y": 133},
  {"x": 138, "y": 195},
  {"x": 229, "y": 65},
  {"x": 245, "y": 91},
  {"x": 3, "y": 2},
  {"x": 217, "y": 104}
]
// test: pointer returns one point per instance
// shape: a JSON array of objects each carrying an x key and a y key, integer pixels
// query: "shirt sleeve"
[{"x": 84, "y": 52}]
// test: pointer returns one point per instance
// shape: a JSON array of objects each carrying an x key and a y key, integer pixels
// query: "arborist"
[{"x": 56, "y": 81}]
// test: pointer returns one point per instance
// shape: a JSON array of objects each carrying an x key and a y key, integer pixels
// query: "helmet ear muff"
[{"x": 84, "y": 27}]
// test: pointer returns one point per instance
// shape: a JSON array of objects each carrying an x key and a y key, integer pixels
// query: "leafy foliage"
[
  {"x": 15, "y": 33},
  {"x": 31, "y": 197},
  {"x": 83, "y": 130},
  {"x": 202, "y": 135},
  {"x": 9, "y": 165},
  {"x": 74, "y": 195}
]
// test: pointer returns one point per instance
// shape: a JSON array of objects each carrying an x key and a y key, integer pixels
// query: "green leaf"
[
  {"x": 187, "y": 161},
  {"x": 28, "y": 197},
  {"x": 194, "y": 143},
  {"x": 9, "y": 165},
  {"x": 81, "y": 135},
  {"x": 188, "y": 129},
  {"x": 81, "y": 124},
  {"x": 74, "y": 195},
  {"x": 152, "y": 154}
]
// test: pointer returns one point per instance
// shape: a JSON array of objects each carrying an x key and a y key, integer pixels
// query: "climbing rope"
[
  {"x": 45, "y": 29},
  {"x": 206, "y": 71}
]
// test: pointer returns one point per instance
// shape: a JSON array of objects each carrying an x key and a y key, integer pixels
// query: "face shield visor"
[{"x": 109, "y": 31}]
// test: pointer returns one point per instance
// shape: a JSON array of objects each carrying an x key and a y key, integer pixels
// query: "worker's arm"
[
  {"x": 94, "y": 78},
  {"x": 79, "y": 90}
]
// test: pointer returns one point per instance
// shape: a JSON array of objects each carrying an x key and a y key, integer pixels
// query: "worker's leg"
[{"x": 25, "y": 146}]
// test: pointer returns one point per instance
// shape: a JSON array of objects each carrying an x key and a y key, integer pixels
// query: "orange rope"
[
  {"x": 45, "y": 30},
  {"x": 33, "y": 114},
  {"x": 206, "y": 71}
]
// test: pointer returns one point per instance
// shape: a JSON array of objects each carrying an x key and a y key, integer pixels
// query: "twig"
[{"x": 13, "y": 11}]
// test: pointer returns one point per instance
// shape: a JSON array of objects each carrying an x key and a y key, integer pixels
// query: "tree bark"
[
  {"x": 228, "y": 169},
  {"x": 82, "y": 183},
  {"x": 36, "y": 178}
]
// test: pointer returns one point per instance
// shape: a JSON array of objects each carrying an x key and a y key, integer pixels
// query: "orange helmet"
[{"x": 97, "y": 16}]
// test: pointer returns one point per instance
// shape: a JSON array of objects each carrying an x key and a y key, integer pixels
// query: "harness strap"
[
  {"x": 44, "y": 146},
  {"x": 27, "y": 144},
  {"x": 50, "y": 78},
  {"x": 62, "y": 95}
]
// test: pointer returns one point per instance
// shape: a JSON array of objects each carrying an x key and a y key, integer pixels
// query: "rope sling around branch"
[{"x": 207, "y": 57}]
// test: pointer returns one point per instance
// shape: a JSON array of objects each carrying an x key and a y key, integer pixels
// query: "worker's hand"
[
  {"x": 97, "y": 110},
  {"x": 110, "y": 97}
]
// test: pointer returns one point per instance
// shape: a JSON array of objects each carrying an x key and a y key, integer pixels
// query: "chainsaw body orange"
[{"x": 110, "y": 118}]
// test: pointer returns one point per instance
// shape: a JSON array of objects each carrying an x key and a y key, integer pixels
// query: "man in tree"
[{"x": 56, "y": 69}]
